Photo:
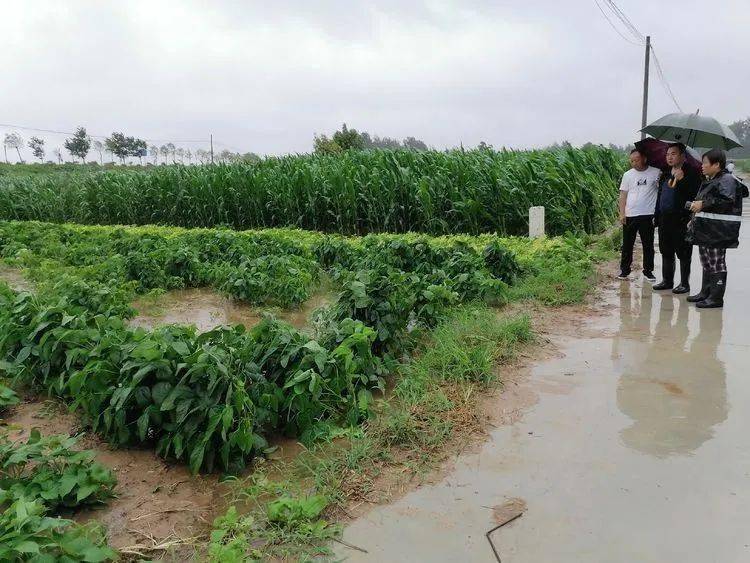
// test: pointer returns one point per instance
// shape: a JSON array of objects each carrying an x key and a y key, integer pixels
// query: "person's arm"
[
  {"x": 721, "y": 200},
  {"x": 662, "y": 178},
  {"x": 622, "y": 203}
]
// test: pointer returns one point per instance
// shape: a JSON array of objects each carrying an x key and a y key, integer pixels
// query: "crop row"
[
  {"x": 210, "y": 399},
  {"x": 478, "y": 191}
]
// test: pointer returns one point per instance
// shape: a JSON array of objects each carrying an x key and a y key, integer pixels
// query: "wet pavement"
[{"x": 637, "y": 450}]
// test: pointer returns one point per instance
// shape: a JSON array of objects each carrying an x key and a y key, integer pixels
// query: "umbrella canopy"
[
  {"x": 656, "y": 152},
  {"x": 693, "y": 130}
]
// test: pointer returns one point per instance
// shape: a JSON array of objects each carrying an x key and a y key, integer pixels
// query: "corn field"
[{"x": 458, "y": 191}]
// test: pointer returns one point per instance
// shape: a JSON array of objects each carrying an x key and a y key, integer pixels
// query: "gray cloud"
[{"x": 264, "y": 77}]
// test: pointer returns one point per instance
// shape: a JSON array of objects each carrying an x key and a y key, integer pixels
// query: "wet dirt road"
[{"x": 637, "y": 450}]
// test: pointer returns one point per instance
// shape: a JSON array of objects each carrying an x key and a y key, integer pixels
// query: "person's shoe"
[
  {"x": 650, "y": 276},
  {"x": 623, "y": 275},
  {"x": 703, "y": 293},
  {"x": 663, "y": 285},
  {"x": 682, "y": 288},
  {"x": 717, "y": 288}
]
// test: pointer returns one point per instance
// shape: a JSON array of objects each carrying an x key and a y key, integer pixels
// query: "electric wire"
[
  {"x": 664, "y": 81},
  {"x": 25, "y": 128},
  {"x": 611, "y": 23},
  {"x": 626, "y": 21}
]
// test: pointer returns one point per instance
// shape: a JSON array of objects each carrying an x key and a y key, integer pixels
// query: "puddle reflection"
[{"x": 672, "y": 384}]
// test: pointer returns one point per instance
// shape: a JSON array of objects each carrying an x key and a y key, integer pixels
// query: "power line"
[
  {"x": 611, "y": 23},
  {"x": 663, "y": 80},
  {"x": 25, "y": 128},
  {"x": 626, "y": 21},
  {"x": 636, "y": 33}
]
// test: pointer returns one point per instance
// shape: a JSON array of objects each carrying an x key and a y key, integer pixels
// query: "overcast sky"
[{"x": 265, "y": 76}]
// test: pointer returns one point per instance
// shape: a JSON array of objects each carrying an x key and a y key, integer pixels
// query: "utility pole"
[
  {"x": 644, "y": 115},
  {"x": 212, "y": 148}
]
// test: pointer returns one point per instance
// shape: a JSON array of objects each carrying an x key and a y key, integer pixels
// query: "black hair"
[
  {"x": 640, "y": 152},
  {"x": 717, "y": 156},
  {"x": 679, "y": 146}
]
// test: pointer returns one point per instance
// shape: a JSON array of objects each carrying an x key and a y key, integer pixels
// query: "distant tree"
[
  {"x": 79, "y": 144},
  {"x": 348, "y": 138},
  {"x": 180, "y": 152},
  {"x": 250, "y": 158},
  {"x": 99, "y": 147},
  {"x": 414, "y": 144},
  {"x": 323, "y": 145},
  {"x": 189, "y": 156},
  {"x": 226, "y": 156},
  {"x": 376, "y": 142},
  {"x": 136, "y": 148},
  {"x": 741, "y": 128},
  {"x": 164, "y": 152},
  {"x": 37, "y": 147},
  {"x": 119, "y": 145},
  {"x": 171, "y": 149},
  {"x": 201, "y": 155},
  {"x": 153, "y": 151},
  {"x": 58, "y": 154},
  {"x": 13, "y": 141}
]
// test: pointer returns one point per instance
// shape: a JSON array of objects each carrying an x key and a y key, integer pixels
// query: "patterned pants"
[{"x": 713, "y": 260}]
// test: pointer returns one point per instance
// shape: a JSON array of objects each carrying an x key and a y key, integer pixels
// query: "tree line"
[
  {"x": 122, "y": 147},
  {"x": 351, "y": 139}
]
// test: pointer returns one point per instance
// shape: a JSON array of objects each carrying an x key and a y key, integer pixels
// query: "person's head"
[
  {"x": 638, "y": 160},
  {"x": 714, "y": 161},
  {"x": 676, "y": 155}
]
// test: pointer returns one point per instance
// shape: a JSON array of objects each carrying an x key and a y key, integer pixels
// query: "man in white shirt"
[{"x": 638, "y": 191}]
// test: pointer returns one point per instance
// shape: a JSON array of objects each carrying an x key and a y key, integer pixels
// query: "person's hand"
[
  {"x": 696, "y": 207},
  {"x": 678, "y": 174},
  {"x": 623, "y": 219}
]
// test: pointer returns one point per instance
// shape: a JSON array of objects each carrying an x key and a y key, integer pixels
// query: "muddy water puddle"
[
  {"x": 14, "y": 278},
  {"x": 206, "y": 309}
]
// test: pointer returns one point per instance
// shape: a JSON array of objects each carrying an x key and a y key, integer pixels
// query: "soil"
[{"x": 156, "y": 501}]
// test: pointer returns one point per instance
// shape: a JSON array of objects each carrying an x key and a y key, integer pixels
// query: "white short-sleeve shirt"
[{"x": 642, "y": 187}]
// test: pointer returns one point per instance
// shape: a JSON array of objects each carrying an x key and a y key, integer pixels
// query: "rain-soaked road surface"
[{"x": 645, "y": 456}]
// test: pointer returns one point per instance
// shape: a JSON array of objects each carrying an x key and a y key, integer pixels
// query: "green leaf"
[
  {"x": 196, "y": 458},
  {"x": 27, "y": 546},
  {"x": 181, "y": 348}
]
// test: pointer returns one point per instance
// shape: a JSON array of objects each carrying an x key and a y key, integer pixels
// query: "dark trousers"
[
  {"x": 672, "y": 245},
  {"x": 641, "y": 225}
]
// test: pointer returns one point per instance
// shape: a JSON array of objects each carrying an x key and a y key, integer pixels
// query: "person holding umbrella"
[
  {"x": 715, "y": 226},
  {"x": 678, "y": 185}
]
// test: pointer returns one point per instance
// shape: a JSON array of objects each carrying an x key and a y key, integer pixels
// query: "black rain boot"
[
  {"x": 684, "y": 286},
  {"x": 667, "y": 275},
  {"x": 700, "y": 296},
  {"x": 715, "y": 297}
]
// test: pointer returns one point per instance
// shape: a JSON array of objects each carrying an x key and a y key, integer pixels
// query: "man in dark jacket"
[
  {"x": 678, "y": 185},
  {"x": 715, "y": 226}
]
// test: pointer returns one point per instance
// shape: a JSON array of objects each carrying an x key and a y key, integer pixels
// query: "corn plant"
[{"x": 357, "y": 192}]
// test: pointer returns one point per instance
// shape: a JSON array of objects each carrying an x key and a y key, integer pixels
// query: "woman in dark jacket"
[{"x": 715, "y": 226}]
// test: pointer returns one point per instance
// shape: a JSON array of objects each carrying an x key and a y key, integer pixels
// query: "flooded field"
[
  {"x": 14, "y": 278},
  {"x": 206, "y": 309}
]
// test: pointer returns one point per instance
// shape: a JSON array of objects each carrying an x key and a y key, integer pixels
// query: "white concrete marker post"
[{"x": 536, "y": 222}]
